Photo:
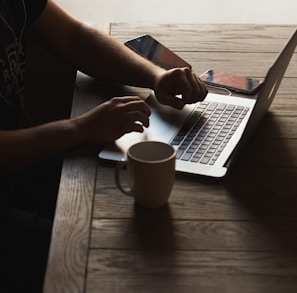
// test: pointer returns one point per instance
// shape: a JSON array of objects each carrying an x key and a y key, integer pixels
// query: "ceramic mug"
[{"x": 151, "y": 172}]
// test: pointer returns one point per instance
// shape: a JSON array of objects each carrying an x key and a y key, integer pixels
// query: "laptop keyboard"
[{"x": 207, "y": 131}]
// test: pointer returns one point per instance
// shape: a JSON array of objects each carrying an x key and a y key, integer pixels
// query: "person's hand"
[
  {"x": 179, "y": 81},
  {"x": 112, "y": 119}
]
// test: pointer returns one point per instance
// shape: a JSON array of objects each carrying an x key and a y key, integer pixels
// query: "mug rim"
[{"x": 168, "y": 158}]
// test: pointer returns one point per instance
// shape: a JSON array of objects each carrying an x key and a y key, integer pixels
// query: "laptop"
[{"x": 208, "y": 135}]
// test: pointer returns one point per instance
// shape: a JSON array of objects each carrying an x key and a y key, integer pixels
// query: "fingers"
[
  {"x": 129, "y": 127},
  {"x": 132, "y": 109},
  {"x": 134, "y": 103},
  {"x": 136, "y": 116},
  {"x": 179, "y": 81},
  {"x": 131, "y": 114},
  {"x": 112, "y": 119},
  {"x": 191, "y": 88}
]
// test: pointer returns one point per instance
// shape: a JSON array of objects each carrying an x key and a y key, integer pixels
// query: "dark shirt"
[{"x": 15, "y": 15}]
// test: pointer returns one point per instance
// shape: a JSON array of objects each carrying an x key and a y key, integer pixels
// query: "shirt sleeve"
[{"x": 34, "y": 8}]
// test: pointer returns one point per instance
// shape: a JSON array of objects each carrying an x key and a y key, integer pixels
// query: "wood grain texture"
[
  {"x": 191, "y": 271},
  {"x": 248, "y": 193},
  {"x": 210, "y": 37},
  {"x": 199, "y": 235},
  {"x": 236, "y": 234}
]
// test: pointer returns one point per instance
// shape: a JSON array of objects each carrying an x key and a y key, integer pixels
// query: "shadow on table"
[
  {"x": 156, "y": 243},
  {"x": 154, "y": 228},
  {"x": 262, "y": 184}
]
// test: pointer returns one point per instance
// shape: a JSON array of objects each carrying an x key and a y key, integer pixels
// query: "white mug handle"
[{"x": 119, "y": 167}]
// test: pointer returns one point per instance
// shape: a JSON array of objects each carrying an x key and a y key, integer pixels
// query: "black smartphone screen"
[
  {"x": 151, "y": 49},
  {"x": 231, "y": 81}
]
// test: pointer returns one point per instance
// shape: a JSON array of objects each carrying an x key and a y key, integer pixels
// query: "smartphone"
[
  {"x": 153, "y": 50},
  {"x": 233, "y": 82}
]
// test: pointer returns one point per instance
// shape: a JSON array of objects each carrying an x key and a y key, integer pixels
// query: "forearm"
[
  {"x": 90, "y": 50},
  {"x": 104, "y": 123},
  {"x": 102, "y": 57},
  {"x": 26, "y": 147}
]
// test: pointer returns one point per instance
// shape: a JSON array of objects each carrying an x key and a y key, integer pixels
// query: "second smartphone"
[{"x": 233, "y": 82}]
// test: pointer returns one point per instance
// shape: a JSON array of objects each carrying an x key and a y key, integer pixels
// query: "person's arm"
[
  {"x": 104, "y": 58},
  {"x": 105, "y": 123},
  {"x": 23, "y": 148},
  {"x": 101, "y": 56}
]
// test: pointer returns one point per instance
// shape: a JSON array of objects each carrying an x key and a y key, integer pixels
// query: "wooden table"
[{"x": 238, "y": 234}]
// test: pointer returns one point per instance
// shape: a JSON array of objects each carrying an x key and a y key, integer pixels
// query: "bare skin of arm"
[{"x": 102, "y": 57}]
